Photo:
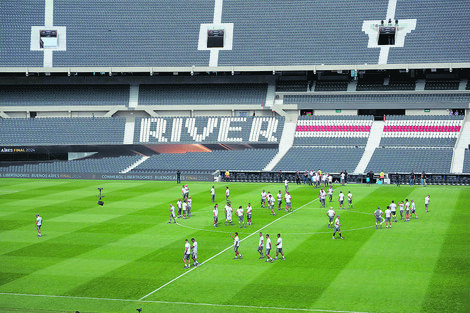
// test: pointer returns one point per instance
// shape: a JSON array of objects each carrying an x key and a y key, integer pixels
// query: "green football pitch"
[{"x": 124, "y": 255}]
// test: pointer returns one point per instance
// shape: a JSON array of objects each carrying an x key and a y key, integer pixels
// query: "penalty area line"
[
  {"x": 181, "y": 303},
  {"x": 217, "y": 254}
]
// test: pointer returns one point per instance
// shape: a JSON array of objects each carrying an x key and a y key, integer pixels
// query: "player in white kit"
[
  {"x": 186, "y": 254},
  {"x": 388, "y": 217},
  {"x": 288, "y": 199},
  {"x": 241, "y": 215},
  {"x": 38, "y": 224},
  {"x": 260, "y": 245},
  {"x": 263, "y": 199},
  {"x": 426, "y": 203},
  {"x": 271, "y": 204},
  {"x": 172, "y": 214},
  {"x": 350, "y": 200},
  {"x": 279, "y": 247},
  {"x": 279, "y": 200},
  {"x": 236, "y": 245},
  {"x": 330, "y": 194},
  {"x": 268, "y": 249},
  {"x": 341, "y": 200},
  {"x": 393, "y": 209},
  {"x": 337, "y": 228},
  {"x": 194, "y": 252},
  {"x": 249, "y": 212},
  {"x": 402, "y": 205},
  {"x": 213, "y": 194},
  {"x": 413, "y": 209},
  {"x": 228, "y": 215},
  {"x": 331, "y": 216},
  {"x": 216, "y": 214}
]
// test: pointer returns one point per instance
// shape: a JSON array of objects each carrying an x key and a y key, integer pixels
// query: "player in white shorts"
[
  {"x": 388, "y": 218},
  {"x": 426, "y": 203},
  {"x": 331, "y": 216},
  {"x": 194, "y": 252},
  {"x": 186, "y": 254},
  {"x": 249, "y": 212},
  {"x": 279, "y": 247},
  {"x": 260, "y": 245},
  {"x": 393, "y": 209},
  {"x": 236, "y": 245},
  {"x": 172, "y": 214},
  {"x": 216, "y": 214}
]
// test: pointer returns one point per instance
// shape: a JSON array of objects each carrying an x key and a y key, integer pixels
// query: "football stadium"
[{"x": 234, "y": 156}]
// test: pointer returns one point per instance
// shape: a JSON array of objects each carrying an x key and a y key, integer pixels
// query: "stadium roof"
[{"x": 261, "y": 35}]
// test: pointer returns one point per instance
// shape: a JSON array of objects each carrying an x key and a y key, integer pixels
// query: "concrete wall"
[{"x": 333, "y": 112}]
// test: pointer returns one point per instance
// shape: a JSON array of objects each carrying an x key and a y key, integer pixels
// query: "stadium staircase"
[
  {"x": 133, "y": 166},
  {"x": 459, "y": 151},
  {"x": 372, "y": 143},
  {"x": 270, "y": 95},
  {"x": 133, "y": 96},
  {"x": 286, "y": 142},
  {"x": 129, "y": 130}
]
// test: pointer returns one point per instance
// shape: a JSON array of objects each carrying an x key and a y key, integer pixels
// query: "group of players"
[{"x": 391, "y": 212}]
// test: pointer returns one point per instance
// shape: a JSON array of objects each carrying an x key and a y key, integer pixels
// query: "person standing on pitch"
[
  {"x": 187, "y": 253},
  {"x": 260, "y": 246},
  {"x": 185, "y": 208},
  {"x": 228, "y": 212},
  {"x": 216, "y": 214},
  {"x": 227, "y": 193},
  {"x": 178, "y": 176},
  {"x": 263, "y": 199},
  {"x": 179, "y": 205},
  {"x": 401, "y": 210},
  {"x": 279, "y": 200},
  {"x": 393, "y": 209},
  {"x": 271, "y": 204},
  {"x": 240, "y": 213},
  {"x": 322, "y": 196},
  {"x": 279, "y": 247},
  {"x": 190, "y": 202},
  {"x": 341, "y": 200},
  {"x": 330, "y": 194},
  {"x": 286, "y": 185},
  {"x": 249, "y": 212},
  {"x": 388, "y": 217},
  {"x": 288, "y": 198},
  {"x": 268, "y": 249},
  {"x": 172, "y": 214},
  {"x": 183, "y": 192},
  {"x": 337, "y": 228},
  {"x": 413, "y": 209},
  {"x": 378, "y": 217},
  {"x": 236, "y": 245},
  {"x": 194, "y": 252},
  {"x": 350, "y": 199},
  {"x": 407, "y": 211},
  {"x": 38, "y": 224},
  {"x": 331, "y": 216},
  {"x": 426, "y": 203},
  {"x": 213, "y": 194}
]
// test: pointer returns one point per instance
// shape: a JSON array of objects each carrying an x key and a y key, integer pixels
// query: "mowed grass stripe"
[
  {"x": 390, "y": 260},
  {"x": 448, "y": 289}
]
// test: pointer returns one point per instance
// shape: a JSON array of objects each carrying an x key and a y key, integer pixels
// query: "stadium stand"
[
  {"x": 466, "y": 163},
  {"x": 375, "y": 84},
  {"x": 16, "y": 19},
  {"x": 437, "y": 160},
  {"x": 209, "y": 130},
  {"x": 421, "y": 131},
  {"x": 202, "y": 94},
  {"x": 292, "y": 85},
  {"x": 345, "y": 130},
  {"x": 63, "y": 95},
  {"x": 104, "y": 165},
  {"x": 331, "y": 85},
  {"x": 328, "y": 159},
  {"x": 439, "y": 84},
  {"x": 61, "y": 131},
  {"x": 123, "y": 33},
  {"x": 250, "y": 159},
  {"x": 382, "y": 99}
]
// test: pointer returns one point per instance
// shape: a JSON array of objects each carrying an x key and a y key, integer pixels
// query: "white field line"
[
  {"x": 229, "y": 247},
  {"x": 183, "y": 303}
]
